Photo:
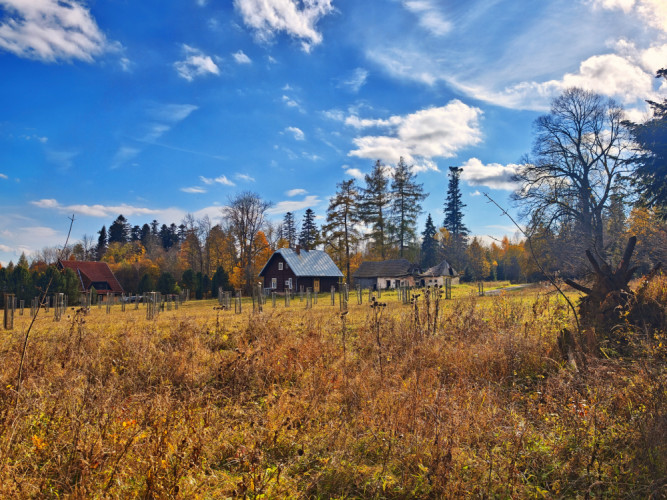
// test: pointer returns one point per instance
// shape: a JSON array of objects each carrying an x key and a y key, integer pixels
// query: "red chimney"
[{"x": 298, "y": 249}]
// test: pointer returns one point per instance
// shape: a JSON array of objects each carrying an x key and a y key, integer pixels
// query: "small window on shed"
[{"x": 280, "y": 266}]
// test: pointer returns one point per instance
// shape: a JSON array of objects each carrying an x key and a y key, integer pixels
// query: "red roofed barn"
[{"x": 93, "y": 275}]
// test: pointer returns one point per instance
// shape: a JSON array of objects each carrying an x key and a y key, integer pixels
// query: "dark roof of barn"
[
  {"x": 386, "y": 269},
  {"x": 93, "y": 272},
  {"x": 442, "y": 269},
  {"x": 307, "y": 263}
]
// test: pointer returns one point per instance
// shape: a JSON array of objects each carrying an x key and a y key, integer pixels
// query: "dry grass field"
[{"x": 393, "y": 401}]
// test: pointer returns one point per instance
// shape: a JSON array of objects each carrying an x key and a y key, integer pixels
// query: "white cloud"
[
  {"x": 608, "y": 74},
  {"x": 295, "y": 192},
  {"x": 419, "y": 137},
  {"x": 64, "y": 159},
  {"x": 124, "y": 155},
  {"x": 244, "y": 177},
  {"x": 241, "y": 58},
  {"x": 297, "y": 132},
  {"x": 163, "y": 117},
  {"x": 219, "y": 180},
  {"x": 292, "y": 103},
  {"x": 195, "y": 64},
  {"x": 293, "y": 205},
  {"x": 476, "y": 193},
  {"x": 429, "y": 16},
  {"x": 3, "y": 176},
  {"x": 294, "y": 17},
  {"x": 356, "y": 80},
  {"x": 51, "y": 30},
  {"x": 94, "y": 210},
  {"x": 193, "y": 190},
  {"x": 493, "y": 175},
  {"x": 652, "y": 11},
  {"x": 354, "y": 172},
  {"x": 125, "y": 64}
]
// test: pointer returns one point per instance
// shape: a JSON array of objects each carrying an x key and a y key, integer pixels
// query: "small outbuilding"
[
  {"x": 293, "y": 269},
  {"x": 386, "y": 274},
  {"x": 436, "y": 275},
  {"x": 96, "y": 275}
]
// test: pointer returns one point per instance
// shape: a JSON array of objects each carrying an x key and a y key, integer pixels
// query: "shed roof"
[
  {"x": 442, "y": 269},
  {"x": 386, "y": 268},
  {"x": 93, "y": 272},
  {"x": 307, "y": 263}
]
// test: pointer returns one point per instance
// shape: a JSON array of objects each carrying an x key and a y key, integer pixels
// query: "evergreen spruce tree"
[
  {"x": 342, "y": 219},
  {"x": 374, "y": 208},
  {"x": 101, "y": 243},
  {"x": 289, "y": 229},
  {"x": 429, "y": 253},
  {"x": 309, "y": 234},
  {"x": 407, "y": 196},
  {"x": 119, "y": 231},
  {"x": 454, "y": 217}
]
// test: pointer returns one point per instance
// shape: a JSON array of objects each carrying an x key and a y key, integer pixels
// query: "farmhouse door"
[{"x": 316, "y": 286}]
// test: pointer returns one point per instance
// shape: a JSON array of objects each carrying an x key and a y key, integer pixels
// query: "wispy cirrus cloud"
[
  {"x": 296, "y": 192},
  {"x": 294, "y": 205},
  {"x": 51, "y": 30},
  {"x": 241, "y": 58},
  {"x": 195, "y": 64},
  {"x": 356, "y": 80},
  {"x": 4, "y": 176},
  {"x": 217, "y": 180},
  {"x": 244, "y": 177},
  {"x": 96, "y": 210},
  {"x": 421, "y": 136},
  {"x": 193, "y": 190},
  {"x": 124, "y": 155},
  {"x": 296, "y": 132},
  {"x": 430, "y": 16},
  {"x": 292, "y": 17}
]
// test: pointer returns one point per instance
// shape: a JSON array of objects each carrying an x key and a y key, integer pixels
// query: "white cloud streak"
[
  {"x": 51, "y": 30},
  {"x": 296, "y": 132},
  {"x": 356, "y": 80},
  {"x": 293, "y": 205},
  {"x": 219, "y": 180},
  {"x": 193, "y": 190},
  {"x": 295, "y": 192},
  {"x": 195, "y": 64},
  {"x": 241, "y": 58},
  {"x": 244, "y": 177},
  {"x": 295, "y": 18},
  {"x": 429, "y": 15},
  {"x": 421, "y": 136},
  {"x": 493, "y": 175}
]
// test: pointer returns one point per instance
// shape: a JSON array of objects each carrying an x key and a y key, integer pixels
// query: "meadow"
[{"x": 458, "y": 398}]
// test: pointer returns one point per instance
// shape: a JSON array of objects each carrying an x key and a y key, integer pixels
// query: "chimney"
[{"x": 298, "y": 249}]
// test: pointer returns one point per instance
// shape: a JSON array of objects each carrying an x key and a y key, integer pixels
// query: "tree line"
[{"x": 591, "y": 179}]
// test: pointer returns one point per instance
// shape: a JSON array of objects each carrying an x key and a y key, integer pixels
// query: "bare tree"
[
  {"x": 245, "y": 217},
  {"x": 580, "y": 154}
]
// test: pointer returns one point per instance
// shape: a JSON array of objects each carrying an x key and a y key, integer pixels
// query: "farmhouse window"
[
  {"x": 274, "y": 283},
  {"x": 280, "y": 266},
  {"x": 288, "y": 283}
]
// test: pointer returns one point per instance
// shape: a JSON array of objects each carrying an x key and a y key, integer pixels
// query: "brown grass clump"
[{"x": 206, "y": 404}]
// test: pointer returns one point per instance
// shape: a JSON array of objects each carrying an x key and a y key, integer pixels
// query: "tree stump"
[{"x": 610, "y": 306}]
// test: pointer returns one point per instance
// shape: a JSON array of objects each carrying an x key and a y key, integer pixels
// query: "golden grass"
[{"x": 202, "y": 403}]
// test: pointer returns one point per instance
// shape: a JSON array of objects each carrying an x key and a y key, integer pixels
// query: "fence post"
[{"x": 9, "y": 311}]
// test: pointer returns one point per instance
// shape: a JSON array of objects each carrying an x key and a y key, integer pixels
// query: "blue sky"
[{"x": 155, "y": 109}]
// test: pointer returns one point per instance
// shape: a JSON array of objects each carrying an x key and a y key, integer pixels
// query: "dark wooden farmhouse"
[
  {"x": 93, "y": 275},
  {"x": 386, "y": 274},
  {"x": 294, "y": 269}
]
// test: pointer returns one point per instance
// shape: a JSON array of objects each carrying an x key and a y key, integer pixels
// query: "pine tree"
[
  {"x": 342, "y": 219},
  {"x": 23, "y": 261},
  {"x": 101, "y": 242},
  {"x": 454, "y": 216},
  {"x": 406, "y": 204},
  {"x": 119, "y": 231},
  {"x": 374, "y": 207},
  {"x": 309, "y": 234},
  {"x": 429, "y": 253},
  {"x": 289, "y": 229}
]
